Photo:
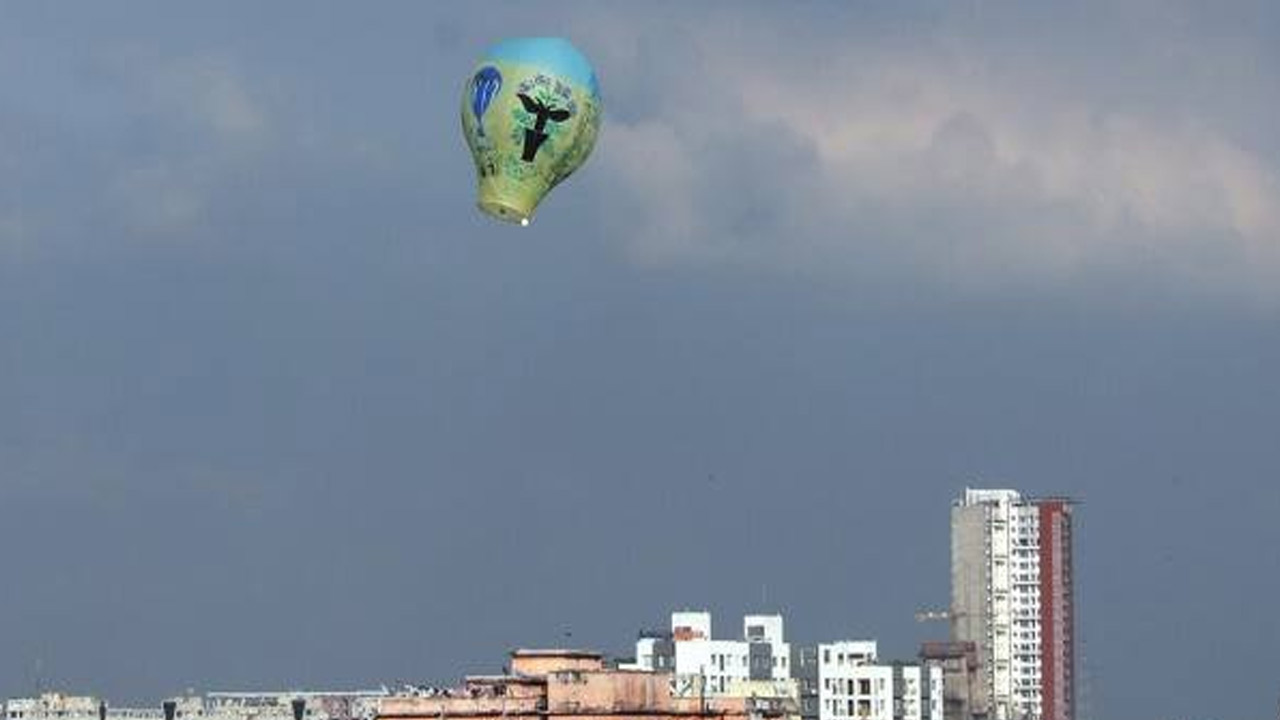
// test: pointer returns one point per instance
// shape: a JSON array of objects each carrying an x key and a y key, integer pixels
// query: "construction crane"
[
  {"x": 931, "y": 615},
  {"x": 951, "y": 615}
]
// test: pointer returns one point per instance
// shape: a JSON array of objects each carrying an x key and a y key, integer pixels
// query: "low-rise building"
[
  {"x": 762, "y": 654},
  {"x": 961, "y": 677},
  {"x": 282, "y": 705},
  {"x": 290, "y": 705},
  {"x": 804, "y": 668},
  {"x": 833, "y": 681},
  {"x": 854, "y": 685},
  {"x": 655, "y": 650},
  {"x": 62, "y": 706},
  {"x": 576, "y": 685}
]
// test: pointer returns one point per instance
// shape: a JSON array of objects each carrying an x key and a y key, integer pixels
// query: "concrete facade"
[
  {"x": 834, "y": 681},
  {"x": 584, "y": 689},
  {"x": 958, "y": 663},
  {"x": 854, "y": 685},
  {"x": 690, "y": 649},
  {"x": 654, "y": 652},
  {"x": 283, "y": 705},
  {"x": 1011, "y": 598},
  {"x": 804, "y": 668},
  {"x": 1057, "y": 611}
]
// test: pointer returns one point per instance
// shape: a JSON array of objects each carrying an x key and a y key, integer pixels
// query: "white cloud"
[
  {"x": 212, "y": 91},
  {"x": 934, "y": 162},
  {"x": 208, "y": 125},
  {"x": 657, "y": 178}
]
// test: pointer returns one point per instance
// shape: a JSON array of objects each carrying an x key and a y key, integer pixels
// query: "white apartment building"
[
  {"x": 721, "y": 662},
  {"x": 761, "y": 654},
  {"x": 843, "y": 680},
  {"x": 653, "y": 653},
  {"x": 766, "y": 630},
  {"x": 854, "y": 685}
]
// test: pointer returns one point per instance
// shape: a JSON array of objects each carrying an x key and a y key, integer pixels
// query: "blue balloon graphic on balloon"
[{"x": 484, "y": 87}]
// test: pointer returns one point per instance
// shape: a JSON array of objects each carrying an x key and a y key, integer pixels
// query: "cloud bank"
[{"x": 937, "y": 159}]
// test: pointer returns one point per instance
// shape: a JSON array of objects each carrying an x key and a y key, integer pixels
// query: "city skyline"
[
  {"x": 280, "y": 407},
  {"x": 1011, "y": 618}
]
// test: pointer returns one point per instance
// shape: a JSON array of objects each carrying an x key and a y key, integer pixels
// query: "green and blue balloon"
[{"x": 530, "y": 114}]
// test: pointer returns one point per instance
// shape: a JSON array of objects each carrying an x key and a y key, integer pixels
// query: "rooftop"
[{"x": 556, "y": 653}]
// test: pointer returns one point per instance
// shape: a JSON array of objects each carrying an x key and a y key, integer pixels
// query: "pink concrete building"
[{"x": 576, "y": 685}]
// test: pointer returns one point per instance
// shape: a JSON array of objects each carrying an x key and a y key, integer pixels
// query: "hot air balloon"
[{"x": 530, "y": 114}]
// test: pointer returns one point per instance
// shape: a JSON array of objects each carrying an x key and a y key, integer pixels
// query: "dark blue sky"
[{"x": 279, "y": 408}]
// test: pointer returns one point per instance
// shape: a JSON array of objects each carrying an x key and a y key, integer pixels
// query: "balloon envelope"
[{"x": 530, "y": 115}]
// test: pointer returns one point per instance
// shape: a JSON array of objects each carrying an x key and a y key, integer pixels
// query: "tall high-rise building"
[{"x": 1012, "y": 597}]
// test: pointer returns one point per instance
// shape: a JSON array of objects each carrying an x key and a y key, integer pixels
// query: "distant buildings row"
[
  {"x": 831, "y": 681},
  {"x": 1010, "y": 657},
  {"x": 359, "y": 705}
]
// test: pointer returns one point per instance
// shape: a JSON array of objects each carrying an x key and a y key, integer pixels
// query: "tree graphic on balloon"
[{"x": 535, "y": 136}]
